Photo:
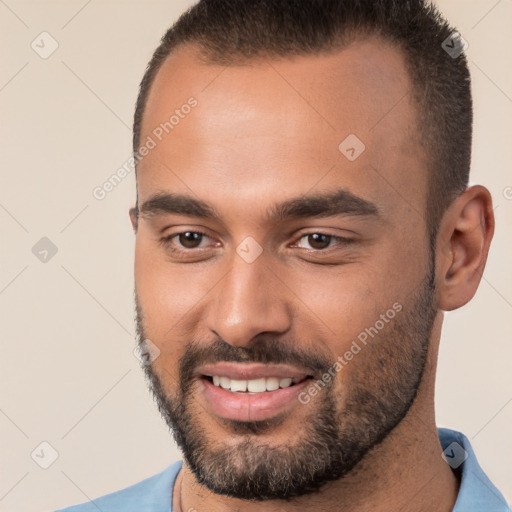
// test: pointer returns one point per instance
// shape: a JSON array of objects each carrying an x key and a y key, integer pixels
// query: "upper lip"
[{"x": 249, "y": 371}]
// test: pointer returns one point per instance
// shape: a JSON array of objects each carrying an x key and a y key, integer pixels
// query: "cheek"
[
  {"x": 343, "y": 302},
  {"x": 172, "y": 296},
  {"x": 353, "y": 302}
]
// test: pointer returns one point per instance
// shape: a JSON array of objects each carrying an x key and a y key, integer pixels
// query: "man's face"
[{"x": 267, "y": 287}]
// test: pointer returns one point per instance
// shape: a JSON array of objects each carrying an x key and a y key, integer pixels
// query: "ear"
[
  {"x": 134, "y": 217},
  {"x": 463, "y": 242}
]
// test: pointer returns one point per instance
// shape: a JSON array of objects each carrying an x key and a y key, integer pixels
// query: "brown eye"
[
  {"x": 319, "y": 240},
  {"x": 190, "y": 239}
]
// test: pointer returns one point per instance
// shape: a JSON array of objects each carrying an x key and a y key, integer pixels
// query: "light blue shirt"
[{"x": 154, "y": 494}]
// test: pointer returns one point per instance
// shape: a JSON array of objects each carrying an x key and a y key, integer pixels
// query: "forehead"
[{"x": 279, "y": 123}]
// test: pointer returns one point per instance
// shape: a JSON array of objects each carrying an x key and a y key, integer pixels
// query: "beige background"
[{"x": 68, "y": 374}]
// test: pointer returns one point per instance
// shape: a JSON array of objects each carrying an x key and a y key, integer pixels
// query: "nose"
[{"x": 249, "y": 301}]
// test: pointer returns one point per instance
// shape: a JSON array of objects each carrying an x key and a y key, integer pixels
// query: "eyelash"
[{"x": 166, "y": 242}]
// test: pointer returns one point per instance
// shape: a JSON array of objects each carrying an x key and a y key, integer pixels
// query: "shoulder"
[{"x": 153, "y": 494}]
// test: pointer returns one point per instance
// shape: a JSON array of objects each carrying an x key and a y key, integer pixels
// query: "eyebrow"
[{"x": 339, "y": 202}]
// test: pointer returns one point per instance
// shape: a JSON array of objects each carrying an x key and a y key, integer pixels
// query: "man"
[{"x": 303, "y": 219}]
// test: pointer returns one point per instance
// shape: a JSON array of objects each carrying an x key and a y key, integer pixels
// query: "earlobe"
[{"x": 463, "y": 243}]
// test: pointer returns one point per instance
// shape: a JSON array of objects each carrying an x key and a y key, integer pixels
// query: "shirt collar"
[{"x": 476, "y": 492}]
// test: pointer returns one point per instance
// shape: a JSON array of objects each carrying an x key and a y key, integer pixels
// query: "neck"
[{"x": 404, "y": 472}]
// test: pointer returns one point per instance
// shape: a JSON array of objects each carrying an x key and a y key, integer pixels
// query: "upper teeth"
[{"x": 253, "y": 385}]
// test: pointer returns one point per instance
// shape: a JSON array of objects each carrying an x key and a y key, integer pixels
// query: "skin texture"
[{"x": 263, "y": 133}]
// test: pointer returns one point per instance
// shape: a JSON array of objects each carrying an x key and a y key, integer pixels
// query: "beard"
[{"x": 338, "y": 431}]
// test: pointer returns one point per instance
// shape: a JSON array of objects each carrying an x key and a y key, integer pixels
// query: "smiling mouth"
[{"x": 254, "y": 386}]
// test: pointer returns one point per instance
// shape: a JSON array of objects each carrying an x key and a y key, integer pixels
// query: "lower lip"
[{"x": 251, "y": 407}]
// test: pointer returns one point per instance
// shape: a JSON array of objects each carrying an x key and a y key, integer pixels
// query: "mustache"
[{"x": 265, "y": 351}]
